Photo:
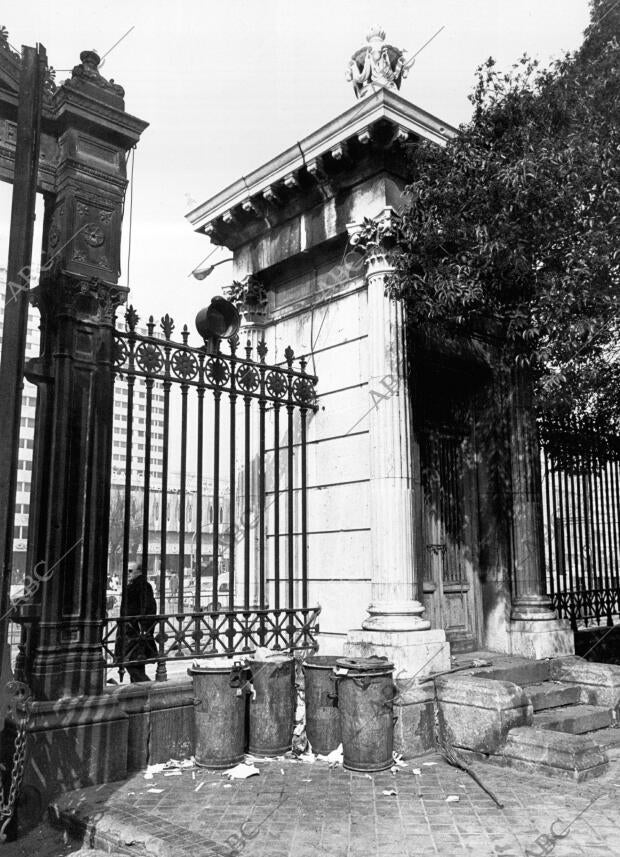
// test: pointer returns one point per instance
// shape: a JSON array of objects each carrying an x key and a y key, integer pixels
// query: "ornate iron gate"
[
  {"x": 250, "y": 464},
  {"x": 581, "y": 482}
]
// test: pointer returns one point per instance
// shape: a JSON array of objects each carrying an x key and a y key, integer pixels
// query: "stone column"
[
  {"x": 535, "y": 629},
  {"x": 395, "y": 625}
]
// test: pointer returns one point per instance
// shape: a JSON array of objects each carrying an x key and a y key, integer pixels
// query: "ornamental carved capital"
[
  {"x": 90, "y": 300},
  {"x": 376, "y": 238},
  {"x": 249, "y": 295}
]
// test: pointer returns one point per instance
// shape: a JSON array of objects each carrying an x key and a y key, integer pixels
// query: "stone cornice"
[{"x": 326, "y": 146}]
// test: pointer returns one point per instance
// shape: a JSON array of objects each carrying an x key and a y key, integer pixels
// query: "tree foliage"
[{"x": 513, "y": 227}]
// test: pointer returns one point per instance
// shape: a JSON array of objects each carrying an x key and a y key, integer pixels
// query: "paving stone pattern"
[{"x": 295, "y": 809}]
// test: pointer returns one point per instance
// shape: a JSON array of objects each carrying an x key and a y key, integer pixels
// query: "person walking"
[{"x": 136, "y": 638}]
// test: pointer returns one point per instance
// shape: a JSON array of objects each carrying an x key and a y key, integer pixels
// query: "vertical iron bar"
[
  {"x": 199, "y": 481},
  {"x": 232, "y": 476},
  {"x": 232, "y": 479},
  {"x": 291, "y": 511},
  {"x": 607, "y": 540},
  {"x": 595, "y": 541},
  {"x": 121, "y": 629},
  {"x": 162, "y": 673},
  {"x": 246, "y": 511},
  {"x": 217, "y": 395},
  {"x": 571, "y": 530},
  {"x": 578, "y": 522},
  {"x": 304, "y": 513},
  {"x": 262, "y": 350},
  {"x": 276, "y": 507},
  {"x": 182, "y": 496},
  {"x": 559, "y": 524},
  {"x": 147, "y": 474}
]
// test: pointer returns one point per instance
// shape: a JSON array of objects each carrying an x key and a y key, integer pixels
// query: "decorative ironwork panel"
[{"x": 208, "y": 497}]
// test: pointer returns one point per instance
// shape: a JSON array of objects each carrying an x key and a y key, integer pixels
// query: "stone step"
[
  {"x": 552, "y": 753},
  {"x": 575, "y": 719},
  {"x": 552, "y": 694},
  {"x": 519, "y": 672}
]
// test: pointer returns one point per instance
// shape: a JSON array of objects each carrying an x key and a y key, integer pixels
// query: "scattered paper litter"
[
  {"x": 228, "y": 786},
  {"x": 306, "y": 781},
  {"x": 282, "y": 771},
  {"x": 429, "y": 764},
  {"x": 416, "y": 771},
  {"x": 154, "y": 791},
  {"x": 368, "y": 777},
  {"x": 334, "y": 758},
  {"x": 391, "y": 792},
  {"x": 242, "y": 772},
  {"x": 263, "y": 653},
  {"x": 170, "y": 765},
  {"x": 398, "y": 760},
  {"x": 452, "y": 798},
  {"x": 173, "y": 773},
  {"x": 174, "y": 764},
  {"x": 199, "y": 786}
]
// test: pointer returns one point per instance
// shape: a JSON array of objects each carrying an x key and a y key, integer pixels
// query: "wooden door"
[{"x": 449, "y": 536}]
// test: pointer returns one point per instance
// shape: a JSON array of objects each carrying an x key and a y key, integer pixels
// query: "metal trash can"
[
  {"x": 366, "y": 707},
  {"x": 322, "y": 716},
  {"x": 219, "y": 713},
  {"x": 272, "y": 705}
]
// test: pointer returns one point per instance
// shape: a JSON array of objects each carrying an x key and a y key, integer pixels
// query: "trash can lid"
[
  {"x": 321, "y": 662},
  {"x": 212, "y": 665},
  {"x": 366, "y": 665}
]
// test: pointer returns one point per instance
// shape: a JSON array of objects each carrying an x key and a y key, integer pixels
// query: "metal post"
[{"x": 34, "y": 63}]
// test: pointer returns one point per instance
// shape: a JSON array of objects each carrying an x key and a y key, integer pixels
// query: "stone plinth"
[
  {"x": 541, "y": 639},
  {"x": 478, "y": 713},
  {"x": 599, "y": 684},
  {"x": 415, "y": 654},
  {"x": 414, "y": 726},
  {"x": 71, "y": 743}
]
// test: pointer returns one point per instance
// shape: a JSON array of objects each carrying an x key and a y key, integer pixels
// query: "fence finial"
[{"x": 167, "y": 325}]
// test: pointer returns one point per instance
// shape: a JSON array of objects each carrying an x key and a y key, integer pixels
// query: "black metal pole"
[{"x": 33, "y": 65}]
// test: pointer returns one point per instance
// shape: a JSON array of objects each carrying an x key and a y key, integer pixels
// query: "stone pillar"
[
  {"x": 535, "y": 629},
  {"x": 395, "y": 625}
]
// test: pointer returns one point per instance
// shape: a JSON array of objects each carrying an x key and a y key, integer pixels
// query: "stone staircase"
[{"x": 557, "y": 716}]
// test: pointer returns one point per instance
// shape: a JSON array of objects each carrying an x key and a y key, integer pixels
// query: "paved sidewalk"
[{"x": 294, "y": 809}]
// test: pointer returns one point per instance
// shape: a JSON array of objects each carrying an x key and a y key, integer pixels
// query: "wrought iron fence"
[
  {"x": 208, "y": 497},
  {"x": 581, "y": 500}
]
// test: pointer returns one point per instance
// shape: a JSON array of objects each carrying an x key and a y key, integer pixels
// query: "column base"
[
  {"x": 415, "y": 654},
  {"x": 396, "y": 616},
  {"x": 71, "y": 744},
  {"x": 534, "y": 608},
  {"x": 538, "y": 639}
]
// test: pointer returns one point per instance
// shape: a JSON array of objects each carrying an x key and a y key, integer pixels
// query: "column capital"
[
  {"x": 85, "y": 298},
  {"x": 250, "y": 297},
  {"x": 376, "y": 237}
]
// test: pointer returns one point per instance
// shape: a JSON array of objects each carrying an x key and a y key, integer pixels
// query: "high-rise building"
[{"x": 26, "y": 436}]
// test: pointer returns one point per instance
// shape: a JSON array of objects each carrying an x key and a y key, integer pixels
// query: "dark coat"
[{"x": 139, "y": 634}]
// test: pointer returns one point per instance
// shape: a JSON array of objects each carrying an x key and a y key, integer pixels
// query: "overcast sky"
[{"x": 228, "y": 85}]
